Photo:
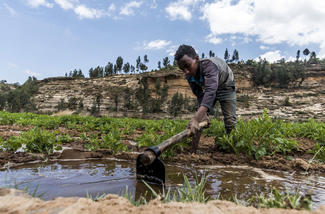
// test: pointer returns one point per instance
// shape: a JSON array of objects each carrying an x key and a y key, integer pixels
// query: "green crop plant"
[
  {"x": 258, "y": 137},
  {"x": 93, "y": 143},
  {"x": 112, "y": 142},
  {"x": 40, "y": 141},
  {"x": 64, "y": 139},
  {"x": 11, "y": 144},
  {"x": 311, "y": 129}
]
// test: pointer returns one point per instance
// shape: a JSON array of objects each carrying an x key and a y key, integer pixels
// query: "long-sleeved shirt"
[{"x": 213, "y": 75}]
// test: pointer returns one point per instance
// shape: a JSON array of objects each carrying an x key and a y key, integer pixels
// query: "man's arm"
[{"x": 211, "y": 77}]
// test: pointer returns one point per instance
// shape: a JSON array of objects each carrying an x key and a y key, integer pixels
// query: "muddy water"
[{"x": 76, "y": 178}]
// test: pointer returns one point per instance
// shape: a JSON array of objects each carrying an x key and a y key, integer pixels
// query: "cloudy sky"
[{"x": 47, "y": 38}]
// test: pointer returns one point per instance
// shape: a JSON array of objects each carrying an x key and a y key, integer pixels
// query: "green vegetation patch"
[{"x": 257, "y": 137}]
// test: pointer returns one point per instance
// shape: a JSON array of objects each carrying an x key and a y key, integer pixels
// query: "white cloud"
[
  {"x": 81, "y": 10},
  {"x": 112, "y": 7},
  {"x": 182, "y": 9},
  {"x": 156, "y": 44},
  {"x": 172, "y": 50},
  {"x": 127, "y": 9},
  {"x": 263, "y": 47},
  {"x": 38, "y": 3},
  {"x": 271, "y": 56},
  {"x": 291, "y": 59},
  {"x": 10, "y": 9},
  {"x": 89, "y": 13},
  {"x": 294, "y": 22},
  {"x": 213, "y": 39},
  {"x": 65, "y": 4},
  {"x": 30, "y": 73}
]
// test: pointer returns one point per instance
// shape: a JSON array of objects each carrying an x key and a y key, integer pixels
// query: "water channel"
[{"x": 95, "y": 177}]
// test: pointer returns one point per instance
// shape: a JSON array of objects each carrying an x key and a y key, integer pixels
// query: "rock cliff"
[{"x": 116, "y": 95}]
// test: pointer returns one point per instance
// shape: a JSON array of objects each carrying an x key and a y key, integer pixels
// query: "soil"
[{"x": 18, "y": 202}]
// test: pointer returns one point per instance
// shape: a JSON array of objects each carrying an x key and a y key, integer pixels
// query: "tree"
[
  {"x": 306, "y": 52},
  {"x": 313, "y": 55},
  {"x": 98, "y": 72},
  {"x": 143, "y": 67},
  {"x": 211, "y": 54},
  {"x": 176, "y": 104},
  {"x": 132, "y": 70},
  {"x": 166, "y": 62},
  {"x": 159, "y": 65},
  {"x": 115, "y": 69},
  {"x": 298, "y": 55},
  {"x": 126, "y": 68},
  {"x": 91, "y": 73},
  {"x": 108, "y": 69},
  {"x": 203, "y": 55},
  {"x": 80, "y": 74},
  {"x": 145, "y": 59},
  {"x": 235, "y": 56},
  {"x": 119, "y": 63},
  {"x": 226, "y": 56},
  {"x": 138, "y": 61},
  {"x": 312, "y": 58}
]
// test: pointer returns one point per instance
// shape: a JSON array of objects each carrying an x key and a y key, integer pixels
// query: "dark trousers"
[{"x": 227, "y": 100}]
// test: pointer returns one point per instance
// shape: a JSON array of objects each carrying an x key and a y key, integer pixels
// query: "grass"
[
  {"x": 283, "y": 200},
  {"x": 96, "y": 197},
  {"x": 186, "y": 193}
]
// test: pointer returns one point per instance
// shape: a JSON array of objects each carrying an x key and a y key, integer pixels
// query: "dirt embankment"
[{"x": 18, "y": 202}]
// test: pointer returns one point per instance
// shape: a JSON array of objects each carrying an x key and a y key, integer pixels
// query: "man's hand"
[
  {"x": 200, "y": 115},
  {"x": 193, "y": 126},
  {"x": 206, "y": 118}
]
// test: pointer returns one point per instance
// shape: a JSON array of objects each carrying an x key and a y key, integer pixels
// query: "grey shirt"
[{"x": 213, "y": 75}]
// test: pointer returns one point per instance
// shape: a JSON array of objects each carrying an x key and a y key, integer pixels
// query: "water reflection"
[{"x": 76, "y": 178}]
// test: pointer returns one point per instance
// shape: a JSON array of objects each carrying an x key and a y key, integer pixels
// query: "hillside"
[{"x": 116, "y": 95}]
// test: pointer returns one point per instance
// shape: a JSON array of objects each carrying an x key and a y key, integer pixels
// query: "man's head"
[{"x": 187, "y": 59}]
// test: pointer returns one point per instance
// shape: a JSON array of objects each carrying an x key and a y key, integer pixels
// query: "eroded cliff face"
[{"x": 116, "y": 95}]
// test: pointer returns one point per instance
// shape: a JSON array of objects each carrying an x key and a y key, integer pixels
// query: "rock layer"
[{"x": 295, "y": 103}]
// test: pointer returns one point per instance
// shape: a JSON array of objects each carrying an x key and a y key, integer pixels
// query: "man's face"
[{"x": 188, "y": 65}]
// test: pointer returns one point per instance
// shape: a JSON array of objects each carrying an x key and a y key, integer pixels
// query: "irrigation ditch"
[{"x": 263, "y": 163}]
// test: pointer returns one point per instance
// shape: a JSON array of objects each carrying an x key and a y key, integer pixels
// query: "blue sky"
[{"x": 48, "y": 38}]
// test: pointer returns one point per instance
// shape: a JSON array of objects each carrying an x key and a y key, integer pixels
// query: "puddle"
[{"x": 76, "y": 178}]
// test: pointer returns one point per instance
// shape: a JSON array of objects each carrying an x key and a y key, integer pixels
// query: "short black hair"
[{"x": 185, "y": 50}]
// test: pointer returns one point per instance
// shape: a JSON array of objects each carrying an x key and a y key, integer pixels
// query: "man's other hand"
[{"x": 193, "y": 126}]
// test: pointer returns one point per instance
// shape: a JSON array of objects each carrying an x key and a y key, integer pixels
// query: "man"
[{"x": 211, "y": 80}]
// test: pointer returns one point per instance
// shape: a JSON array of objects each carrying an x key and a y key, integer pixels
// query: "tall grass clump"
[
  {"x": 283, "y": 200},
  {"x": 186, "y": 193}
]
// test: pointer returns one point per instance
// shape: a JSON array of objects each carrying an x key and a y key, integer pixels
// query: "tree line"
[
  {"x": 141, "y": 65},
  {"x": 18, "y": 97}
]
